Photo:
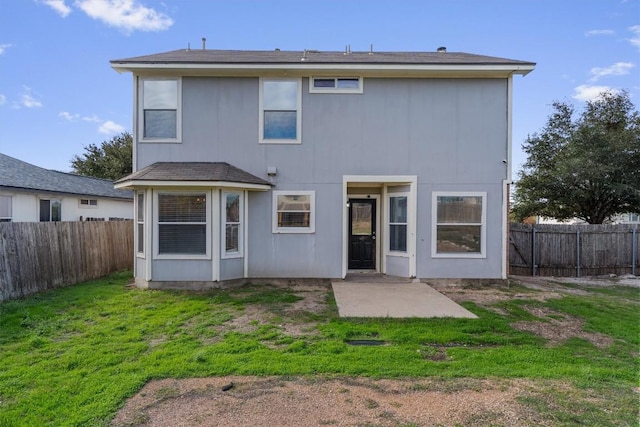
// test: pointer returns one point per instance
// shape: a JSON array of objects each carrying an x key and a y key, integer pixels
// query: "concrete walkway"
[{"x": 394, "y": 299}]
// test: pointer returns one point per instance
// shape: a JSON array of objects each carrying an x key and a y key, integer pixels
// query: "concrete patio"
[{"x": 369, "y": 295}]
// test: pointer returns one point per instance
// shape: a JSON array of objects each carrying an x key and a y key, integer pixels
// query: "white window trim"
[
  {"x": 312, "y": 213},
  {"x": 139, "y": 222},
  {"x": 223, "y": 229},
  {"x": 261, "y": 138},
  {"x": 156, "y": 226},
  {"x": 388, "y": 250},
  {"x": 140, "y": 111},
  {"x": 358, "y": 90},
  {"x": 434, "y": 225}
]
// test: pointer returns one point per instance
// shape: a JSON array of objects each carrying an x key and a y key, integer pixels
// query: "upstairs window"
[
  {"x": 160, "y": 110},
  {"x": 280, "y": 110},
  {"x": 335, "y": 85}
]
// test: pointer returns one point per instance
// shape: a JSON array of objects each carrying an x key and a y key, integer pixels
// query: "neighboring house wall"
[
  {"x": 451, "y": 134},
  {"x": 26, "y": 207}
]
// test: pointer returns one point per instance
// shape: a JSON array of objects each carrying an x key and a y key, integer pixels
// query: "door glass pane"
[
  {"x": 45, "y": 210},
  {"x": 56, "y": 211},
  {"x": 361, "y": 219}
]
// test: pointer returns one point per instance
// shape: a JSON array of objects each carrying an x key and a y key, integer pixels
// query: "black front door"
[{"x": 362, "y": 234}]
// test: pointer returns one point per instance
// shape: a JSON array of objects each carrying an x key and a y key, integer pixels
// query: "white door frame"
[{"x": 382, "y": 181}]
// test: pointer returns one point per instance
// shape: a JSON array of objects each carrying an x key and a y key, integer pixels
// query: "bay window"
[
  {"x": 232, "y": 224},
  {"x": 182, "y": 224}
]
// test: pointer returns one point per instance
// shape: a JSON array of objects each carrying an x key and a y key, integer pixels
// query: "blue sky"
[{"x": 58, "y": 93}]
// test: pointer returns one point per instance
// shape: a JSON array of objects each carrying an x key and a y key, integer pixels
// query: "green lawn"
[{"x": 73, "y": 356}]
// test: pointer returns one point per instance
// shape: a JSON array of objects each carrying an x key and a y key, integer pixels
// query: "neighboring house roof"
[
  {"x": 18, "y": 175},
  {"x": 192, "y": 172},
  {"x": 319, "y": 60}
]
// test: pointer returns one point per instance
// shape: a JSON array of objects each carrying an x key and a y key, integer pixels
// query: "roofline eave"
[
  {"x": 367, "y": 69},
  {"x": 132, "y": 184}
]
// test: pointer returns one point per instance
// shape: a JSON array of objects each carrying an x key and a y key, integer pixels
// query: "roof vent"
[
  {"x": 442, "y": 49},
  {"x": 204, "y": 43}
]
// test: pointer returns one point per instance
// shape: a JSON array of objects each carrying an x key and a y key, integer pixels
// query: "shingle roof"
[
  {"x": 194, "y": 171},
  {"x": 209, "y": 56},
  {"x": 19, "y": 175}
]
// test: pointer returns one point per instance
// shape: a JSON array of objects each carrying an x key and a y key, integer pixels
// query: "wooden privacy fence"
[
  {"x": 574, "y": 250},
  {"x": 35, "y": 256}
]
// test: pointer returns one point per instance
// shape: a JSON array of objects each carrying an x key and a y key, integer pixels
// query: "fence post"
[
  {"x": 578, "y": 260},
  {"x": 533, "y": 251},
  {"x": 634, "y": 250}
]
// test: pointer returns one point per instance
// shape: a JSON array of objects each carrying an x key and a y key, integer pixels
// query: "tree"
[
  {"x": 111, "y": 160},
  {"x": 588, "y": 168}
]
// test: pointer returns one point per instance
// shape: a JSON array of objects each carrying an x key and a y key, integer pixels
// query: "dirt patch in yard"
[
  {"x": 273, "y": 401},
  {"x": 558, "y": 327}
]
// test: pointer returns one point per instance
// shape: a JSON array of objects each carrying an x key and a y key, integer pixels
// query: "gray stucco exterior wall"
[{"x": 450, "y": 133}]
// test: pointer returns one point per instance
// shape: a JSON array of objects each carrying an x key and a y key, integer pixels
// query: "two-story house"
[{"x": 310, "y": 164}]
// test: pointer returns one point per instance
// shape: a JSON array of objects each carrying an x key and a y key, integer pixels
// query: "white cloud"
[
  {"x": 599, "y": 33},
  {"x": 92, "y": 119},
  {"x": 635, "y": 39},
  {"x": 590, "y": 93},
  {"x": 110, "y": 127},
  {"x": 127, "y": 15},
  {"x": 68, "y": 116},
  {"x": 27, "y": 99},
  {"x": 3, "y": 99},
  {"x": 59, "y": 6},
  {"x": 3, "y": 47},
  {"x": 617, "y": 69}
]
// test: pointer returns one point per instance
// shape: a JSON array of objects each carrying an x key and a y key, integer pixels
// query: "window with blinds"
[{"x": 182, "y": 224}]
